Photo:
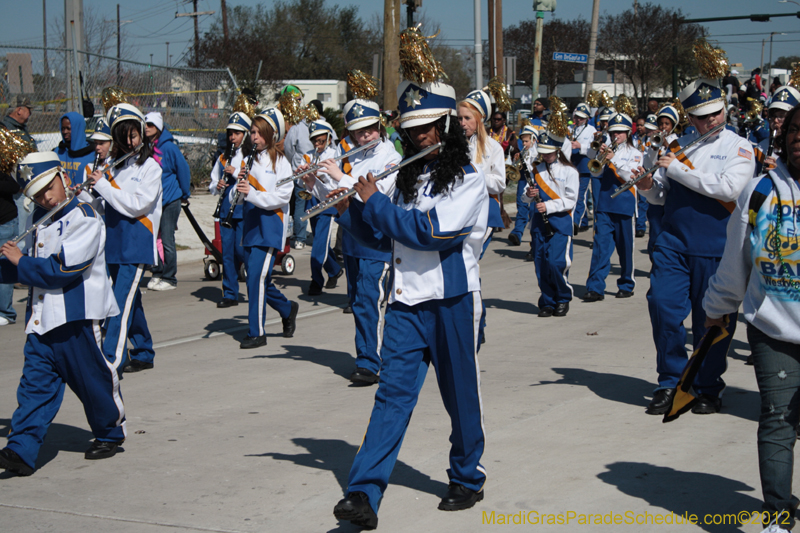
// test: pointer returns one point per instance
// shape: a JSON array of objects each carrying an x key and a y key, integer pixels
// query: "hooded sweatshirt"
[
  {"x": 75, "y": 156},
  {"x": 175, "y": 174}
]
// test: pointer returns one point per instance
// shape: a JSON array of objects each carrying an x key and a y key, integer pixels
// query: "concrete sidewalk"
[{"x": 223, "y": 439}]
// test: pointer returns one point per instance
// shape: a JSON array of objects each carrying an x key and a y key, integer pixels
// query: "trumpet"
[
  {"x": 75, "y": 191},
  {"x": 513, "y": 171},
  {"x": 628, "y": 184},
  {"x": 597, "y": 142},
  {"x": 314, "y": 168},
  {"x": 596, "y": 165},
  {"x": 323, "y": 206},
  {"x": 227, "y": 223},
  {"x": 230, "y": 151}
]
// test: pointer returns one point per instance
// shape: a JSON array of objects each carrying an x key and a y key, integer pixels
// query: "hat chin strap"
[{"x": 447, "y": 123}]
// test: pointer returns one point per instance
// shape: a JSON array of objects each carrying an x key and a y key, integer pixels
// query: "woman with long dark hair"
[
  {"x": 132, "y": 196},
  {"x": 434, "y": 226},
  {"x": 759, "y": 268}
]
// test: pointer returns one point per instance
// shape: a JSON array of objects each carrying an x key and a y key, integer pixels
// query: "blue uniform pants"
[
  {"x": 595, "y": 194},
  {"x": 641, "y": 213},
  {"x": 654, "y": 215},
  {"x": 611, "y": 231},
  {"x": 552, "y": 257},
  {"x": 580, "y": 216},
  {"x": 678, "y": 283},
  {"x": 442, "y": 332},
  {"x": 368, "y": 279},
  {"x": 523, "y": 211},
  {"x": 232, "y": 256},
  {"x": 260, "y": 289},
  {"x": 130, "y": 323},
  {"x": 321, "y": 251},
  {"x": 69, "y": 354}
]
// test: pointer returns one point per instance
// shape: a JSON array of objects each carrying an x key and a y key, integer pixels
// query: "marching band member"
[
  {"x": 266, "y": 222},
  {"x": 614, "y": 216},
  {"x": 131, "y": 194},
  {"x": 556, "y": 190},
  {"x": 434, "y": 226},
  {"x": 70, "y": 293},
  {"x": 223, "y": 180},
  {"x": 295, "y": 144},
  {"x": 367, "y": 269},
  {"x": 102, "y": 144},
  {"x": 784, "y": 99},
  {"x": 602, "y": 117},
  {"x": 759, "y": 268},
  {"x": 582, "y": 137},
  {"x": 322, "y": 256},
  {"x": 537, "y": 124},
  {"x": 697, "y": 190},
  {"x": 643, "y": 142}
]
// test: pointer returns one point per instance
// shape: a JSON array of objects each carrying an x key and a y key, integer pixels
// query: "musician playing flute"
[
  {"x": 223, "y": 181},
  {"x": 434, "y": 226},
  {"x": 614, "y": 216},
  {"x": 70, "y": 294},
  {"x": 698, "y": 190},
  {"x": 266, "y": 223},
  {"x": 784, "y": 99}
]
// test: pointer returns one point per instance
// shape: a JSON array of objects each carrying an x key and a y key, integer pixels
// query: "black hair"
[
  {"x": 496, "y": 111},
  {"x": 780, "y": 142},
  {"x": 447, "y": 168},
  {"x": 317, "y": 105},
  {"x": 120, "y": 134}
]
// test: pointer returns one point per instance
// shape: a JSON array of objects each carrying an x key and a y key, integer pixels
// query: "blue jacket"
[
  {"x": 176, "y": 177},
  {"x": 79, "y": 153}
]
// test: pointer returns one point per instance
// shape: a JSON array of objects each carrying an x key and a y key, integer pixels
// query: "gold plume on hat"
[
  {"x": 310, "y": 113},
  {"x": 605, "y": 99},
  {"x": 497, "y": 89},
  {"x": 525, "y": 123},
  {"x": 624, "y": 105},
  {"x": 362, "y": 84},
  {"x": 754, "y": 109},
  {"x": 112, "y": 96},
  {"x": 683, "y": 118},
  {"x": 290, "y": 108},
  {"x": 12, "y": 149},
  {"x": 245, "y": 104},
  {"x": 593, "y": 98},
  {"x": 794, "y": 79},
  {"x": 558, "y": 123},
  {"x": 711, "y": 61},
  {"x": 416, "y": 57}
]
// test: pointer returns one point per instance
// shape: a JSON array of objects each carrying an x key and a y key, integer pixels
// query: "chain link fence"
[{"x": 195, "y": 103}]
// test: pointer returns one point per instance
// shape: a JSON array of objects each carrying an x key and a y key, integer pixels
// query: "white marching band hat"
[
  {"x": 360, "y": 113},
  {"x": 274, "y": 118},
  {"x": 36, "y": 171}
]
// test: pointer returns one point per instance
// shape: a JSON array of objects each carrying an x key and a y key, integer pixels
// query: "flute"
[
  {"x": 323, "y": 206},
  {"x": 315, "y": 168}
]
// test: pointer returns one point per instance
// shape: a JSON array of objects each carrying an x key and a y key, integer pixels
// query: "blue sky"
[{"x": 154, "y": 22}]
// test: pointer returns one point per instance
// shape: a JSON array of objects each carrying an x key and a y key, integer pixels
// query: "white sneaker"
[
  {"x": 4, "y": 321},
  {"x": 163, "y": 286},
  {"x": 153, "y": 282},
  {"x": 299, "y": 245}
]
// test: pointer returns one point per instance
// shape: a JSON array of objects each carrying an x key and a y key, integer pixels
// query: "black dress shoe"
[
  {"x": 136, "y": 366},
  {"x": 529, "y": 257},
  {"x": 11, "y": 462},
  {"x": 226, "y": 302},
  {"x": 592, "y": 296},
  {"x": 315, "y": 289},
  {"x": 356, "y": 508},
  {"x": 332, "y": 282},
  {"x": 640, "y": 233},
  {"x": 101, "y": 450},
  {"x": 347, "y": 310},
  {"x": 459, "y": 497},
  {"x": 561, "y": 309},
  {"x": 623, "y": 294},
  {"x": 362, "y": 376},
  {"x": 662, "y": 401},
  {"x": 707, "y": 405},
  {"x": 513, "y": 239},
  {"x": 253, "y": 342},
  {"x": 575, "y": 229},
  {"x": 750, "y": 361},
  {"x": 545, "y": 312},
  {"x": 583, "y": 228},
  {"x": 290, "y": 323}
]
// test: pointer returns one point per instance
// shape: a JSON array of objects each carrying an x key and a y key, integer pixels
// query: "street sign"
[{"x": 572, "y": 58}]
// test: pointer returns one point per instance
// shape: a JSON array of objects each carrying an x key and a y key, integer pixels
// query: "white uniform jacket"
[
  {"x": 493, "y": 164},
  {"x": 375, "y": 160},
  {"x": 563, "y": 183}
]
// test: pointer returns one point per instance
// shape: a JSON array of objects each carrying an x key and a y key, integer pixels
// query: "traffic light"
[{"x": 544, "y": 5}]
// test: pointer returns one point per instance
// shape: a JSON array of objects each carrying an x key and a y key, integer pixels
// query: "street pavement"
[{"x": 223, "y": 439}]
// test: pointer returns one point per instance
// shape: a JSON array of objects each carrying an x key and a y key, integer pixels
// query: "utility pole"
[
  {"x": 46, "y": 67},
  {"x": 73, "y": 34},
  {"x": 224, "y": 10},
  {"x": 496, "y": 38},
  {"x": 537, "y": 56},
  {"x": 478, "y": 47},
  {"x": 593, "y": 48},
  {"x": 196, "y": 34},
  {"x": 118, "y": 44},
  {"x": 391, "y": 52}
]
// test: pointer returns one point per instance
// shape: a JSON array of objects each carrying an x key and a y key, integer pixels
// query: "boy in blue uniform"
[{"x": 70, "y": 294}]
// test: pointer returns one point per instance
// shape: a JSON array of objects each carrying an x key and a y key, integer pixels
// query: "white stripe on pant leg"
[
  {"x": 477, "y": 311},
  {"x": 565, "y": 273},
  {"x": 262, "y": 291},
  {"x": 633, "y": 253},
  {"x": 381, "y": 296},
  {"x": 126, "y": 311},
  {"x": 327, "y": 246},
  {"x": 98, "y": 337}
]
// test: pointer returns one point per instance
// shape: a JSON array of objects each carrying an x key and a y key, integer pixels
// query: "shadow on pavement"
[
  {"x": 682, "y": 492},
  {"x": 516, "y": 307},
  {"x": 341, "y": 363},
  {"x": 60, "y": 437}
]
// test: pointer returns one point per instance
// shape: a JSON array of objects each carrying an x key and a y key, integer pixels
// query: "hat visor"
[
  {"x": 237, "y": 127},
  {"x": 361, "y": 123},
  {"x": 546, "y": 148},
  {"x": 413, "y": 119},
  {"x": 780, "y": 105},
  {"x": 580, "y": 114},
  {"x": 40, "y": 182},
  {"x": 102, "y": 137},
  {"x": 651, "y": 127},
  {"x": 707, "y": 109}
]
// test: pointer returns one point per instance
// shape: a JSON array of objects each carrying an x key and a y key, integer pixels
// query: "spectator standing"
[
  {"x": 74, "y": 151},
  {"x": 17, "y": 123}
]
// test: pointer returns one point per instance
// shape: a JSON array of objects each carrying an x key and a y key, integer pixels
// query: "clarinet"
[
  {"x": 227, "y": 223},
  {"x": 230, "y": 151},
  {"x": 771, "y": 147},
  {"x": 548, "y": 228}
]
